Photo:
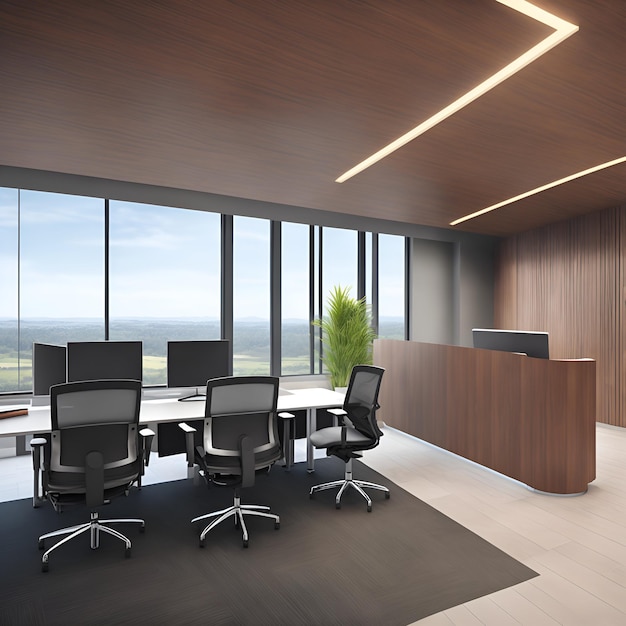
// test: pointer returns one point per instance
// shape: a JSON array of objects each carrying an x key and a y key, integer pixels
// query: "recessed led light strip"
[
  {"x": 532, "y": 192},
  {"x": 563, "y": 30}
]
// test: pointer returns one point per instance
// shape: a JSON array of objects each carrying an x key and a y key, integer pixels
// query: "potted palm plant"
[{"x": 347, "y": 335}]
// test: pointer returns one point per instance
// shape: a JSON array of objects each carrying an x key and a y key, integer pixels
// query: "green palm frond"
[{"x": 347, "y": 335}]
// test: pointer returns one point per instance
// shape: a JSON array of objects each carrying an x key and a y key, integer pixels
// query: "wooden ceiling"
[{"x": 272, "y": 100}]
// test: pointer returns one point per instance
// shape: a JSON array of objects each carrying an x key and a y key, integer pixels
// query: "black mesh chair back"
[
  {"x": 361, "y": 399},
  {"x": 236, "y": 406},
  {"x": 89, "y": 416}
]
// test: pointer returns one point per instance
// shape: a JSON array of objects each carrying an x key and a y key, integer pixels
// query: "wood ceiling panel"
[{"x": 273, "y": 100}]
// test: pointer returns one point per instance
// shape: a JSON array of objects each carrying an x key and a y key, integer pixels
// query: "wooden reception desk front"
[{"x": 531, "y": 419}]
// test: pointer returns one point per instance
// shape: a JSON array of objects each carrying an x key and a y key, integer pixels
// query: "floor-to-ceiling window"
[
  {"x": 295, "y": 299},
  {"x": 338, "y": 268},
  {"x": 61, "y": 274},
  {"x": 251, "y": 296},
  {"x": 339, "y": 261},
  {"x": 81, "y": 268},
  {"x": 9, "y": 344},
  {"x": 164, "y": 280}
]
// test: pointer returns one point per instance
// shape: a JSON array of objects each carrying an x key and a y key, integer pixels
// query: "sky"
[{"x": 164, "y": 262}]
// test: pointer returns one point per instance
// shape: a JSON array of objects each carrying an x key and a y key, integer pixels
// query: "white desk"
[{"x": 171, "y": 410}]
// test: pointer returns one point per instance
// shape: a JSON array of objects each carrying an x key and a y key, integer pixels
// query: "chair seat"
[
  {"x": 328, "y": 437},
  {"x": 75, "y": 483}
]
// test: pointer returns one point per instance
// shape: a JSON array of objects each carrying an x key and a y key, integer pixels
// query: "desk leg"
[
  {"x": 311, "y": 427},
  {"x": 20, "y": 446},
  {"x": 287, "y": 445}
]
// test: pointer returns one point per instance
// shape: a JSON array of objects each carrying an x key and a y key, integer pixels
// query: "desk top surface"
[{"x": 171, "y": 410}]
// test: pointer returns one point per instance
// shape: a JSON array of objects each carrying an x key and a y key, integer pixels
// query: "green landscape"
[{"x": 252, "y": 344}]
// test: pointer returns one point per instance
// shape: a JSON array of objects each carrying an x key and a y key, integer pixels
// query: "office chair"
[
  {"x": 357, "y": 431},
  {"x": 240, "y": 439},
  {"x": 94, "y": 453}
]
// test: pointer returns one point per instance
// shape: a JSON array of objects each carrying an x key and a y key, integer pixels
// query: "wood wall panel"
[
  {"x": 505, "y": 284},
  {"x": 530, "y": 419},
  {"x": 567, "y": 279}
]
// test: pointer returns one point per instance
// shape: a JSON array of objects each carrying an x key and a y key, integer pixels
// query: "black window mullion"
[
  {"x": 226, "y": 282},
  {"x": 106, "y": 268},
  {"x": 408, "y": 246},
  {"x": 375, "y": 274},
  {"x": 360, "y": 265},
  {"x": 275, "y": 299}
]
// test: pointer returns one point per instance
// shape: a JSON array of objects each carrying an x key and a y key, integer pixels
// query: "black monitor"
[
  {"x": 49, "y": 364},
  {"x": 529, "y": 342},
  {"x": 192, "y": 363},
  {"x": 104, "y": 360}
]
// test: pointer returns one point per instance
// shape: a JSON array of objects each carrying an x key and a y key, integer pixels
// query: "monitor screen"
[
  {"x": 192, "y": 363},
  {"x": 531, "y": 343},
  {"x": 49, "y": 363},
  {"x": 104, "y": 360}
]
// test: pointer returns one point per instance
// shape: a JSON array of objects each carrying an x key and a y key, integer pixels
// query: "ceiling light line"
[
  {"x": 537, "y": 190},
  {"x": 563, "y": 30}
]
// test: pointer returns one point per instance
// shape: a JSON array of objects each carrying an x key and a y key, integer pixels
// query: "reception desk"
[{"x": 530, "y": 419}]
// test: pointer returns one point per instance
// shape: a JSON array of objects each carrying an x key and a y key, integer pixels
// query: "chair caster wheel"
[
  {"x": 201, "y": 543},
  {"x": 387, "y": 495},
  {"x": 337, "y": 505},
  {"x": 127, "y": 553},
  {"x": 44, "y": 566},
  {"x": 40, "y": 544},
  {"x": 276, "y": 525},
  {"x": 245, "y": 543},
  {"x": 142, "y": 529},
  {"x": 369, "y": 508}
]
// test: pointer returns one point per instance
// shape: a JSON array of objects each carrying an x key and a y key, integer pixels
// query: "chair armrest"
[
  {"x": 339, "y": 415},
  {"x": 337, "y": 412},
  {"x": 286, "y": 416},
  {"x": 37, "y": 444},
  {"x": 147, "y": 436},
  {"x": 189, "y": 441}
]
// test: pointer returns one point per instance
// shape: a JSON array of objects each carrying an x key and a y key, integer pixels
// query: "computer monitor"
[
  {"x": 104, "y": 360},
  {"x": 49, "y": 365},
  {"x": 529, "y": 342},
  {"x": 192, "y": 363}
]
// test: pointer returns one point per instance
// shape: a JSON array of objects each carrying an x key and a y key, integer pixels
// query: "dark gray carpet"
[{"x": 400, "y": 563}]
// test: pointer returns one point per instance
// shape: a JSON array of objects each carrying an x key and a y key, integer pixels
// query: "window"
[
  {"x": 164, "y": 279},
  {"x": 61, "y": 271},
  {"x": 9, "y": 346},
  {"x": 295, "y": 323},
  {"x": 391, "y": 280},
  {"x": 251, "y": 296},
  {"x": 339, "y": 252},
  {"x": 339, "y": 261}
]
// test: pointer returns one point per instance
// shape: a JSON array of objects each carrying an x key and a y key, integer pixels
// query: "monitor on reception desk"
[
  {"x": 104, "y": 360},
  {"x": 192, "y": 363},
  {"x": 49, "y": 364},
  {"x": 531, "y": 343}
]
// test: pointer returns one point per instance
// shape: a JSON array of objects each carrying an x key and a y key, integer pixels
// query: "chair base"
[
  {"x": 348, "y": 481},
  {"x": 238, "y": 511},
  {"x": 95, "y": 526}
]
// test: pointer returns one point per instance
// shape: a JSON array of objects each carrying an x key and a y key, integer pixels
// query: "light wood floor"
[{"x": 576, "y": 544}]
